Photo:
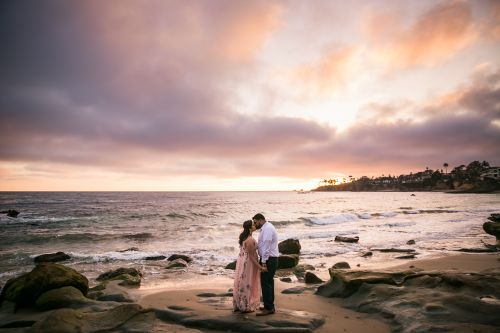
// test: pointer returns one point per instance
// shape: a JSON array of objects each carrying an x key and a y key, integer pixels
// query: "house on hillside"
[{"x": 492, "y": 173}]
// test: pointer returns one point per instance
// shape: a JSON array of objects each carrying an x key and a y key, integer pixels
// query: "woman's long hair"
[{"x": 247, "y": 229}]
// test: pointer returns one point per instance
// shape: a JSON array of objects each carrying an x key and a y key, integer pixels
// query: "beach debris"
[
  {"x": 492, "y": 227},
  {"x": 25, "y": 289},
  {"x": 173, "y": 257},
  {"x": 52, "y": 257},
  {"x": 346, "y": 239},
  {"x": 311, "y": 278},
  {"x": 288, "y": 261},
  {"x": 10, "y": 212},
  {"x": 367, "y": 254},
  {"x": 177, "y": 263},
  {"x": 341, "y": 265},
  {"x": 289, "y": 246},
  {"x": 129, "y": 276},
  {"x": 231, "y": 265},
  {"x": 410, "y": 242},
  {"x": 155, "y": 258}
]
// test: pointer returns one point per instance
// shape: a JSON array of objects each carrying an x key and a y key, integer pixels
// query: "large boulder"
[
  {"x": 24, "y": 290},
  {"x": 123, "y": 318},
  {"x": 493, "y": 227},
  {"x": 128, "y": 276},
  {"x": 289, "y": 246},
  {"x": 341, "y": 265},
  {"x": 288, "y": 261},
  {"x": 52, "y": 257},
  {"x": 65, "y": 297}
]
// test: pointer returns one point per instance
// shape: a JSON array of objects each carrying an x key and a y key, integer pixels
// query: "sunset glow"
[{"x": 238, "y": 95}]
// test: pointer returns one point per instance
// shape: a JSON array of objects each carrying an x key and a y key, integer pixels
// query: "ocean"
[{"x": 97, "y": 228}]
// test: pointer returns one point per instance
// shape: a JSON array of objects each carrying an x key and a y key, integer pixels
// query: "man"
[{"x": 267, "y": 246}]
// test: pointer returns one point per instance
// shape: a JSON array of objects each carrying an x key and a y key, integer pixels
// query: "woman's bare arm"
[{"x": 252, "y": 251}]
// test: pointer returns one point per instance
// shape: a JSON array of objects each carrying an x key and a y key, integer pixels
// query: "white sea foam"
[{"x": 334, "y": 219}]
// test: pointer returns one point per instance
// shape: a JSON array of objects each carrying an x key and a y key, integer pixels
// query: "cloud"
[
  {"x": 433, "y": 38},
  {"x": 329, "y": 73}
]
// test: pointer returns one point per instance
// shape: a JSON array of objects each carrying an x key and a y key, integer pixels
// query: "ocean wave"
[
  {"x": 177, "y": 216},
  {"x": 334, "y": 219},
  {"x": 397, "y": 224},
  {"x": 288, "y": 222},
  {"x": 365, "y": 216},
  {"x": 142, "y": 236},
  {"x": 385, "y": 214}
]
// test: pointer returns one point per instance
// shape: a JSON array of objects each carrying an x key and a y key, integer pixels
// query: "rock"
[
  {"x": 344, "y": 283},
  {"x": 395, "y": 250},
  {"x": 286, "y": 279},
  {"x": 10, "y": 212},
  {"x": 410, "y": 242},
  {"x": 311, "y": 278},
  {"x": 289, "y": 322},
  {"x": 289, "y": 246},
  {"x": 121, "y": 298},
  {"x": 52, "y": 257},
  {"x": 180, "y": 256},
  {"x": 24, "y": 290},
  {"x": 300, "y": 270},
  {"x": 294, "y": 290},
  {"x": 177, "y": 263},
  {"x": 155, "y": 258},
  {"x": 128, "y": 276},
  {"x": 367, "y": 254},
  {"x": 346, "y": 239},
  {"x": 288, "y": 261},
  {"x": 123, "y": 318},
  {"x": 341, "y": 265},
  {"x": 65, "y": 297},
  {"x": 409, "y": 256},
  {"x": 493, "y": 227},
  {"x": 231, "y": 265},
  {"x": 420, "y": 301}
]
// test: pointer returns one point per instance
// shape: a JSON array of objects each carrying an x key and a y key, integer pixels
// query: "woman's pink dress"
[{"x": 246, "y": 289}]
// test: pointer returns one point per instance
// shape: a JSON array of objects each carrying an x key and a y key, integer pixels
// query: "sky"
[{"x": 242, "y": 95}]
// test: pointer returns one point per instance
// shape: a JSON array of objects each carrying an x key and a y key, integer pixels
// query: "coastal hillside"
[{"x": 476, "y": 177}]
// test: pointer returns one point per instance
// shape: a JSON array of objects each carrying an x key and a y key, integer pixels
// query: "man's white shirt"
[{"x": 267, "y": 245}]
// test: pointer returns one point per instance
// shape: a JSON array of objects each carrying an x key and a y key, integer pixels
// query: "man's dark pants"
[{"x": 267, "y": 283}]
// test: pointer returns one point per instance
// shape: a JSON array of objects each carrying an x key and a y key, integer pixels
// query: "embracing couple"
[{"x": 256, "y": 272}]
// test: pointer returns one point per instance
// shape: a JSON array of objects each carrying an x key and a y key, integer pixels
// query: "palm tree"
[{"x": 445, "y": 165}]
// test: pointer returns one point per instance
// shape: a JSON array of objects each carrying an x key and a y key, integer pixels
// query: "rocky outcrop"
[
  {"x": 10, "y": 212},
  {"x": 123, "y": 318},
  {"x": 127, "y": 276},
  {"x": 62, "y": 298},
  {"x": 492, "y": 227},
  {"x": 346, "y": 239},
  {"x": 419, "y": 301},
  {"x": 24, "y": 290},
  {"x": 173, "y": 257},
  {"x": 52, "y": 257},
  {"x": 300, "y": 270},
  {"x": 289, "y": 246},
  {"x": 285, "y": 322},
  {"x": 155, "y": 258},
  {"x": 288, "y": 261}
]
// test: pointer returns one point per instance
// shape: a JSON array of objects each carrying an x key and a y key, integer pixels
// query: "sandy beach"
[{"x": 337, "y": 317}]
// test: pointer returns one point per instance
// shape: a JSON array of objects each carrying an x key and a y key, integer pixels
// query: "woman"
[{"x": 246, "y": 289}]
